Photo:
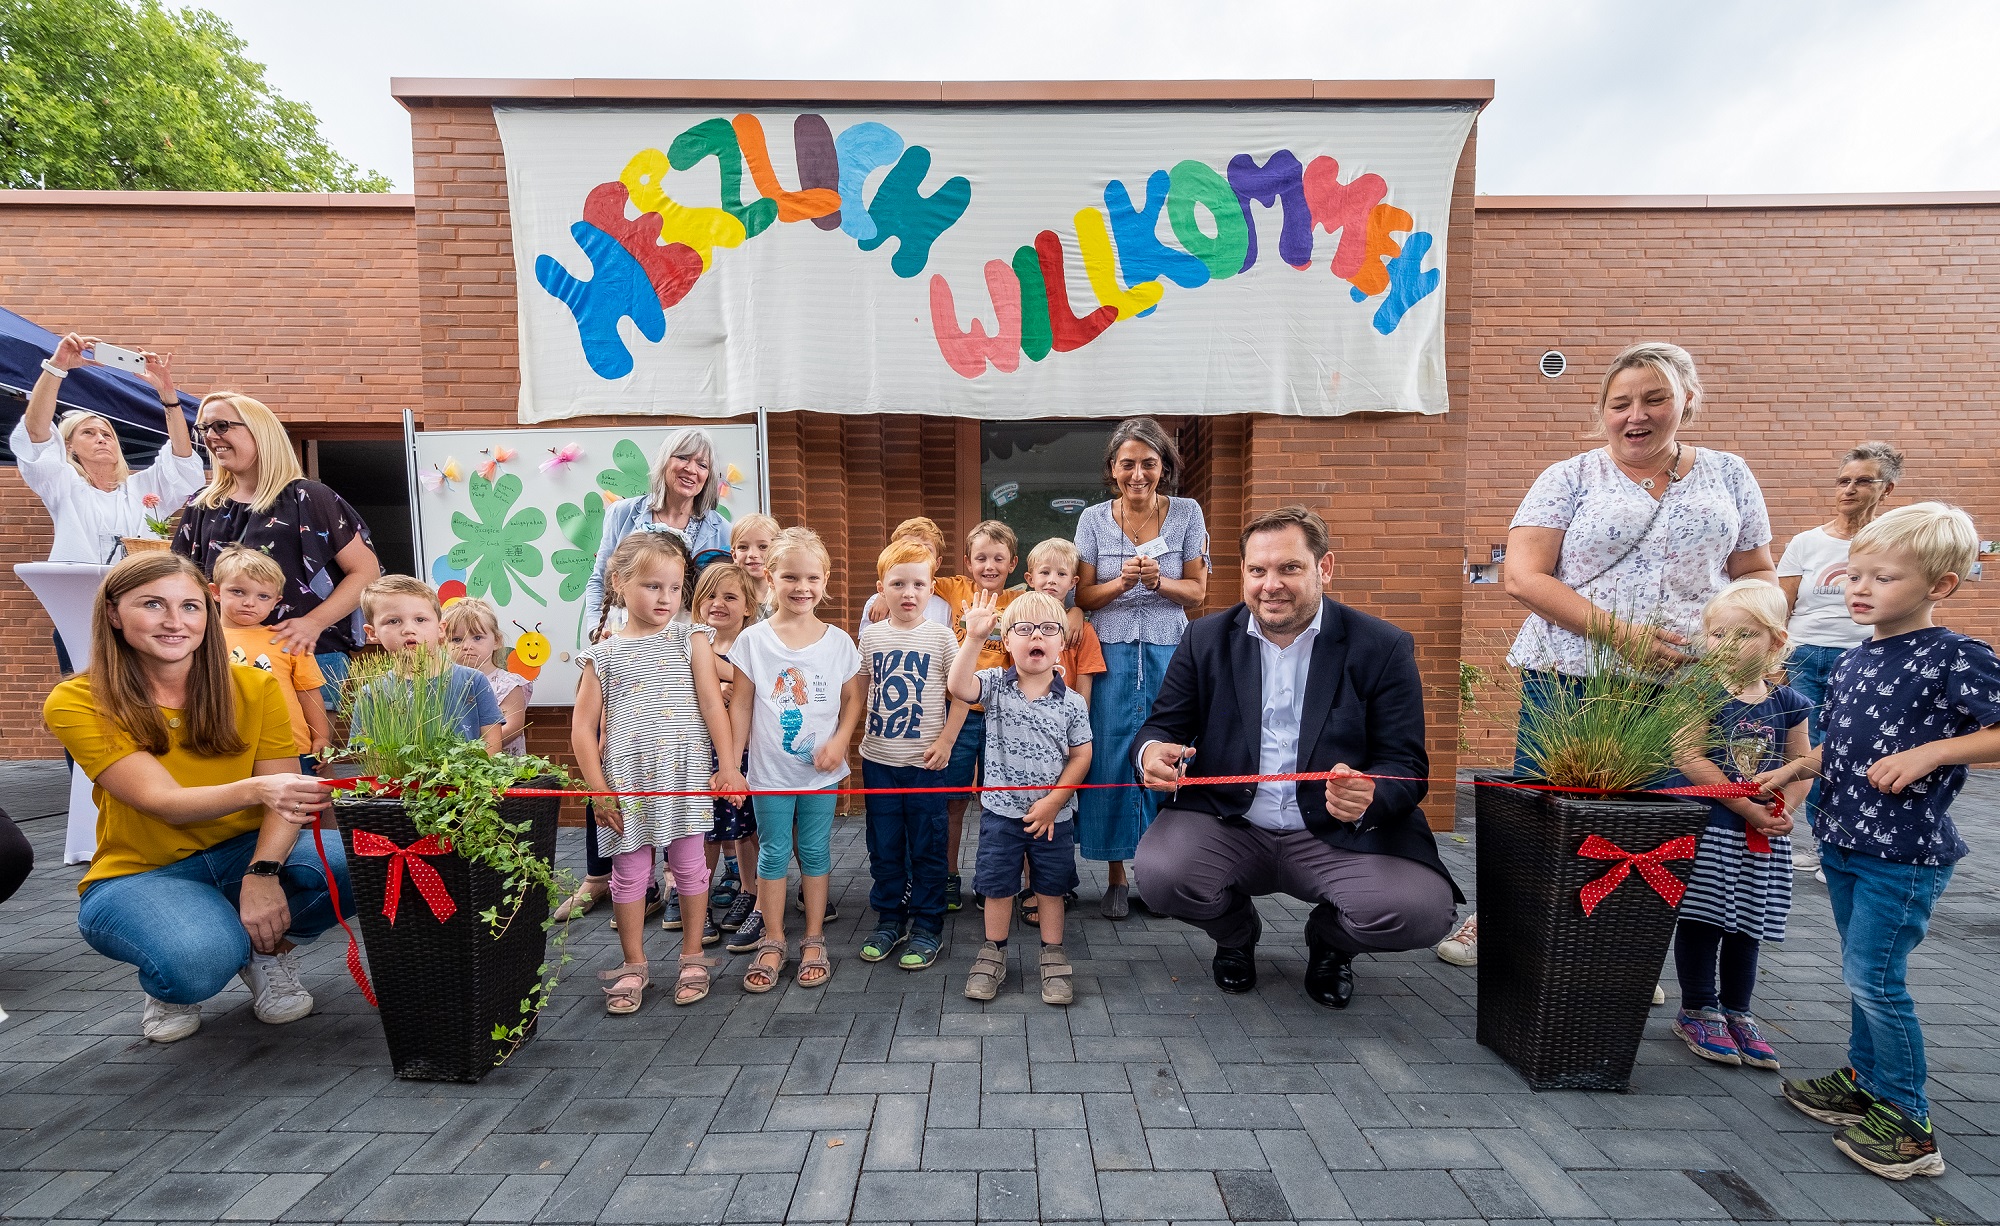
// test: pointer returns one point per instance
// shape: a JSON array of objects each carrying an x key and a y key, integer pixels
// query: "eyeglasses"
[
  {"x": 1047, "y": 630},
  {"x": 1862, "y": 483},
  {"x": 216, "y": 428}
]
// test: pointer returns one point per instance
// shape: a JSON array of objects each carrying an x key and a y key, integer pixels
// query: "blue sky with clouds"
[{"x": 1612, "y": 97}]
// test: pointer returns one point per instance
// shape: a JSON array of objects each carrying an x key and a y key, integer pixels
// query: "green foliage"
[
  {"x": 399, "y": 708},
  {"x": 98, "y": 94},
  {"x": 1471, "y": 680},
  {"x": 633, "y": 476},
  {"x": 494, "y": 547},
  {"x": 1622, "y": 727}
]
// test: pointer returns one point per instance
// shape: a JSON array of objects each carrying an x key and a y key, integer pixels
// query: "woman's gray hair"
[
  {"x": 1674, "y": 364},
  {"x": 1149, "y": 433},
  {"x": 1887, "y": 460},
  {"x": 687, "y": 443}
]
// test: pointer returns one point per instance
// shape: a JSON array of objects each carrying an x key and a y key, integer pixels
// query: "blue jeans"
[
  {"x": 906, "y": 846},
  {"x": 1883, "y": 909},
  {"x": 1807, "y": 669},
  {"x": 179, "y": 923},
  {"x": 1539, "y": 691}
]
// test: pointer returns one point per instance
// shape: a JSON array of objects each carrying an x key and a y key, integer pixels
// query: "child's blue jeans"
[
  {"x": 1883, "y": 909},
  {"x": 906, "y": 846}
]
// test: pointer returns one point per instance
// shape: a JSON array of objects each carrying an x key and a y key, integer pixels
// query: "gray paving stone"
[
  {"x": 825, "y": 1191},
  {"x": 979, "y": 1149},
  {"x": 590, "y": 1184},
  {"x": 1132, "y": 1196},
  {"x": 730, "y": 1154},
  {"x": 902, "y": 1196},
  {"x": 181, "y": 1197},
  {"x": 425, "y": 1198},
  {"x": 1066, "y": 1182},
  {"x": 806, "y": 1112},
  {"x": 1253, "y": 1196},
  {"x": 761, "y": 1198},
  {"x": 518, "y": 1198},
  {"x": 1031, "y": 1111},
  {"x": 1117, "y": 1139},
  {"x": 896, "y": 1136},
  {"x": 1655, "y": 1194},
  {"x": 270, "y": 1198},
  {"x": 501, "y": 1153},
  {"x": 1302, "y": 1175},
  {"x": 1380, "y": 1196},
  {"x": 670, "y": 1198},
  {"x": 1204, "y": 1149},
  {"x": 1427, "y": 1148}
]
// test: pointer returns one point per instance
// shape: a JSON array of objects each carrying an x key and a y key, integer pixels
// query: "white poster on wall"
[
  {"x": 515, "y": 517},
  {"x": 998, "y": 262}
]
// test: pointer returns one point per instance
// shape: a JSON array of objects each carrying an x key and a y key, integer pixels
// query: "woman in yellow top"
[{"x": 197, "y": 877}]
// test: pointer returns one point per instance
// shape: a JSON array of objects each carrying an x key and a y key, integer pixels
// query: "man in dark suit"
[{"x": 1292, "y": 681}]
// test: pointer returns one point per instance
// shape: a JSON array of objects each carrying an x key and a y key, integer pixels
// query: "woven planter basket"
[
  {"x": 1564, "y": 996},
  {"x": 442, "y": 986}
]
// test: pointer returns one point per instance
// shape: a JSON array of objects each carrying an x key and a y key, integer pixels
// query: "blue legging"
[{"x": 776, "y": 815}]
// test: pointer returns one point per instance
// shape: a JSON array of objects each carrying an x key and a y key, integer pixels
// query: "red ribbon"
[
  {"x": 1753, "y": 838},
  {"x": 354, "y": 967},
  {"x": 1650, "y": 865},
  {"x": 426, "y": 878}
]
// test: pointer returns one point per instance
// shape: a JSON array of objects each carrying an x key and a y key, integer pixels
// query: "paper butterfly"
[
  {"x": 570, "y": 454},
  {"x": 442, "y": 475},
  {"x": 498, "y": 456}
]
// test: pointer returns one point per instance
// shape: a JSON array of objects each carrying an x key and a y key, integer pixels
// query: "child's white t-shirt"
[{"x": 798, "y": 704}]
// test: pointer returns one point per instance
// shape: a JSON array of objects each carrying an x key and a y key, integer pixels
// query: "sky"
[{"x": 1619, "y": 97}]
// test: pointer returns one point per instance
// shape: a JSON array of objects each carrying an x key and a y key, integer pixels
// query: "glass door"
[{"x": 1035, "y": 476}]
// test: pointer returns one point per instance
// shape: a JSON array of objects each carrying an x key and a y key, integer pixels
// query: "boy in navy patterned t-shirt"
[{"x": 1905, "y": 712}]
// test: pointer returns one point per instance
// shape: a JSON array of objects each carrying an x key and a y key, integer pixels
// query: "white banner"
[{"x": 994, "y": 262}]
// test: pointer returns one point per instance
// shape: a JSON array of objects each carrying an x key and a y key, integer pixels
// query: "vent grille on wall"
[{"x": 1554, "y": 363}]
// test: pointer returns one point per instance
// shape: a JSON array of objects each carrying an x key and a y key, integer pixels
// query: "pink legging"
[{"x": 631, "y": 871}]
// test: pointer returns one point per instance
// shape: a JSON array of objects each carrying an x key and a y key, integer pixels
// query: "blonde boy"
[
  {"x": 912, "y": 727},
  {"x": 1052, "y": 570},
  {"x": 247, "y": 584},
  {"x": 1905, "y": 712},
  {"x": 1041, "y": 739},
  {"x": 402, "y": 615}
]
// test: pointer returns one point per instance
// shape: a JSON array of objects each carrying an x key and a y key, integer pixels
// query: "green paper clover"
[
  {"x": 494, "y": 547},
  {"x": 633, "y": 476},
  {"x": 584, "y": 527}
]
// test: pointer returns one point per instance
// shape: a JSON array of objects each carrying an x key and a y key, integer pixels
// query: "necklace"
[
  {"x": 1673, "y": 471},
  {"x": 1143, "y": 524}
]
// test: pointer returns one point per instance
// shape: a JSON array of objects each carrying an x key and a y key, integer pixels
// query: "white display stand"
[{"x": 68, "y": 591}]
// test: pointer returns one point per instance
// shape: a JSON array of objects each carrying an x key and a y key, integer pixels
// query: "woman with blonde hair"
[
  {"x": 199, "y": 875},
  {"x": 261, "y": 498}
]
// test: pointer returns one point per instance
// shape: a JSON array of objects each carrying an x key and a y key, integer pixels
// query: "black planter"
[
  {"x": 1564, "y": 996},
  {"x": 443, "y": 986}
]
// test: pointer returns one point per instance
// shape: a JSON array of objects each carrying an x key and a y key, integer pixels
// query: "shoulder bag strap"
[{"x": 1658, "y": 505}]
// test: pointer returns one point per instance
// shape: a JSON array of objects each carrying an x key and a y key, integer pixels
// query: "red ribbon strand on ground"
[
  {"x": 1649, "y": 864},
  {"x": 354, "y": 966},
  {"x": 426, "y": 879}
]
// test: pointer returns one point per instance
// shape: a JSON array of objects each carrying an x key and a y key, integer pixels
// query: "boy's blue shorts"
[{"x": 1004, "y": 840}]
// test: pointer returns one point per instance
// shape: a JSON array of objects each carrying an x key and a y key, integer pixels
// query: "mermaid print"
[{"x": 789, "y": 694}]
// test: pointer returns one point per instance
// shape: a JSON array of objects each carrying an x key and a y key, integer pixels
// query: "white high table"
[{"x": 68, "y": 591}]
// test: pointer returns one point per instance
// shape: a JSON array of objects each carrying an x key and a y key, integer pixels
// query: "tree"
[{"x": 97, "y": 94}]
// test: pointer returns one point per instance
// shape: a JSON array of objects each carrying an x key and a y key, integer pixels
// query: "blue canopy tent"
[{"x": 127, "y": 401}]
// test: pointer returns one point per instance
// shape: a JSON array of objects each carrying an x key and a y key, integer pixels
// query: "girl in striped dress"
[
  {"x": 1741, "y": 889},
  {"x": 648, "y": 715}
]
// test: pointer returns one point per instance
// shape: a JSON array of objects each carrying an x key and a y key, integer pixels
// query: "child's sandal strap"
[{"x": 815, "y": 961}]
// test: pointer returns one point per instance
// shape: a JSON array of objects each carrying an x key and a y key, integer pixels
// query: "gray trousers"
[{"x": 1207, "y": 871}]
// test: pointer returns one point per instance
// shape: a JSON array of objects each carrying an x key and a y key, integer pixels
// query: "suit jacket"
[{"x": 1364, "y": 705}]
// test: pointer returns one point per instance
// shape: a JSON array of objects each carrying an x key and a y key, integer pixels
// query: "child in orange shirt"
[{"x": 247, "y": 584}]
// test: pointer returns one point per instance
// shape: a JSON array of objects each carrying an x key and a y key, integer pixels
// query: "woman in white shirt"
[
  {"x": 80, "y": 474},
  {"x": 1820, "y": 629}
]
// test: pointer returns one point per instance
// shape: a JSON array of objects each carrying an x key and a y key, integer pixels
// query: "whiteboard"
[{"x": 530, "y": 523}]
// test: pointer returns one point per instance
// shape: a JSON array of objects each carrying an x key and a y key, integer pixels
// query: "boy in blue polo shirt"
[
  {"x": 1905, "y": 712},
  {"x": 1038, "y": 737}
]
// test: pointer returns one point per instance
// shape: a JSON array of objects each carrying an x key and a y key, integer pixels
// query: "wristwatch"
[{"x": 265, "y": 868}]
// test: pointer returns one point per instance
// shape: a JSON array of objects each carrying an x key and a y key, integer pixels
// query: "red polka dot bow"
[
  {"x": 426, "y": 878},
  {"x": 1650, "y": 864}
]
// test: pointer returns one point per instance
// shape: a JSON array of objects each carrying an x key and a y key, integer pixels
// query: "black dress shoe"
[
  {"x": 1329, "y": 975},
  {"x": 1236, "y": 967}
]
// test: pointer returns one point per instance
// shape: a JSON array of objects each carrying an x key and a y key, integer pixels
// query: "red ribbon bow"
[
  {"x": 1753, "y": 839},
  {"x": 1649, "y": 864},
  {"x": 426, "y": 878}
]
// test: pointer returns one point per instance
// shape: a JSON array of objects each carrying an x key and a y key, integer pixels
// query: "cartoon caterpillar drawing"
[{"x": 789, "y": 693}]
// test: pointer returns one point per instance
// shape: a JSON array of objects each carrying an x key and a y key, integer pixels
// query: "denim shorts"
[
  {"x": 965, "y": 751},
  {"x": 1004, "y": 840}
]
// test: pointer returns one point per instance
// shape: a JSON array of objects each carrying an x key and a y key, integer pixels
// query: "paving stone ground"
[{"x": 887, "y": 1096}]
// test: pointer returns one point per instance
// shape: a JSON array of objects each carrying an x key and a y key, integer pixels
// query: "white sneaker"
[
  {"x": 1804, "y": 860},
  {"x": 1461, "y": 948},
  {"x": 1659, "y": 994},
  {"x": 165, "y": 1023},
  {"x": 276, "y": 995}
]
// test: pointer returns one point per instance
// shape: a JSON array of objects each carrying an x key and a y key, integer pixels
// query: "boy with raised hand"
[
  {"x": 247, "y": 584},
  {"x": 1905, "y": 712},
  {"x": 402, "y": 614},
  {"x": 911, "y": 727},
  {"x": 1038, "y": 737}
]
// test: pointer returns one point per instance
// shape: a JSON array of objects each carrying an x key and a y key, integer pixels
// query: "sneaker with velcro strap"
[
  {"x": 1889, "y": 1143},
  {"x": 1836, "y": 1098}
]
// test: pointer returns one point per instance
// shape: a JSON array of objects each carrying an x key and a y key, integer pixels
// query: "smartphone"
[{"x": 112, "y": 355}]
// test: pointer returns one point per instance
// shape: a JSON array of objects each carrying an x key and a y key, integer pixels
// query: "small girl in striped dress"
[{"x": 1741, "y": 889}]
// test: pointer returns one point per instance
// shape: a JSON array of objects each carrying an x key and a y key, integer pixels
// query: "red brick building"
[{"x": 1818, "y": 323}]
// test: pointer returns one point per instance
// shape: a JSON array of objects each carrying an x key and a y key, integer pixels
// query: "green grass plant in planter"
[
  {"x": 1564, "y": 992},
  {"x": 454, "y": 880}
]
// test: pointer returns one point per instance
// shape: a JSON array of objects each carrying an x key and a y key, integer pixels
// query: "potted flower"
[
  {"x": 160, "y": 527},
  {"x": 1578, "y": 889},
  {"x": 453, "y": 875}
]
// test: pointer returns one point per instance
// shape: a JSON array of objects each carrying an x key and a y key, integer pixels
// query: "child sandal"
[
  {"x": 815, "y": 961},
  {"x": 1056, "y": 973},
  {"x": 692, "y": 983},
  {"x": 625, "y": 988},
  {"x": 989, "y": 971},
  {"x": 761, "y": 976},
  {"x": 921, "y": 951}
]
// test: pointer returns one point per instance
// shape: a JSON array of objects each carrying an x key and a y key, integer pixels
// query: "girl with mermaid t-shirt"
[{"x": 809, "y": 691}]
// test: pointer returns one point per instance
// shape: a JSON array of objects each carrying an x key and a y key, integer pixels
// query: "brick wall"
[
  {"x": 309, "y": 307},
  {"x": 1814, "y": 328}
]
